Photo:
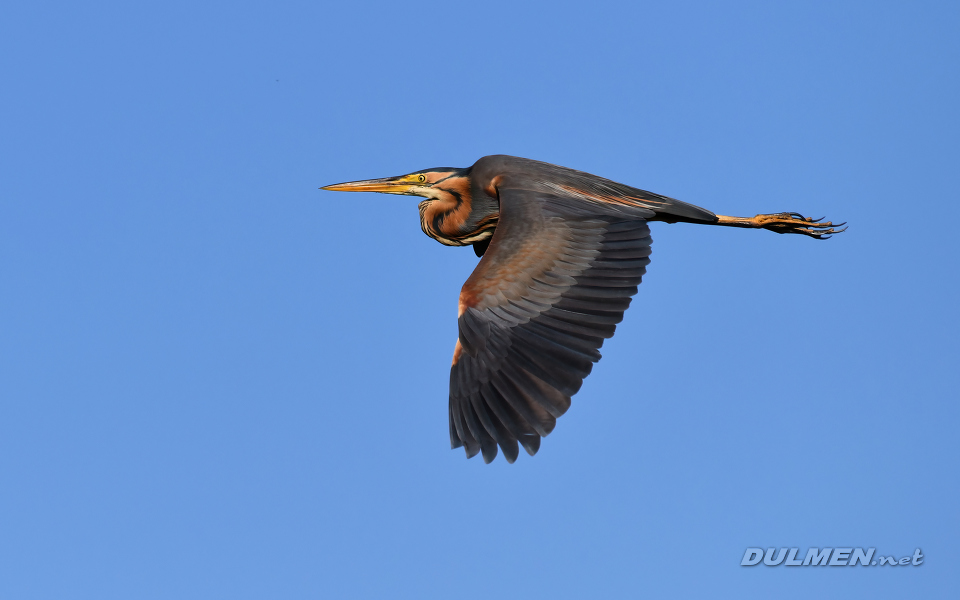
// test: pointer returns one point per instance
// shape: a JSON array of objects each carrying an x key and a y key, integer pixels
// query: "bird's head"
[
  {"x": 449, "y": 214},
  {"x": 429, "y": 183}
]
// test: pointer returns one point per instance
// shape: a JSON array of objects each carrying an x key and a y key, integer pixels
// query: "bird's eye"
[{"x": 422, "y": 178}]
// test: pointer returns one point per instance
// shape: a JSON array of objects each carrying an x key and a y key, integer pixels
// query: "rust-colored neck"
[{"x": 449, "y": 216}]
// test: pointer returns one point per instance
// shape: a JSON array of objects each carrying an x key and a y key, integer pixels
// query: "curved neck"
[{"x": 452, "y": 218}]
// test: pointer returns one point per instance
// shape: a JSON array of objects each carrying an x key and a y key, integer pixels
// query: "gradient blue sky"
[{"x": 217, "y": 381}]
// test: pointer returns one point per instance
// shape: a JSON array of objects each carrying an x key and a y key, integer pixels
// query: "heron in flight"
[{"x": 562, "y": 253}]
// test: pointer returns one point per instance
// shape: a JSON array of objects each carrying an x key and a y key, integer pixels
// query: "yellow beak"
[{"x": 387, "y": 185}]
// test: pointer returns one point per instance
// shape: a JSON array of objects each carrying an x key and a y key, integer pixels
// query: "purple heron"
[{"x": 562, "y": 253}]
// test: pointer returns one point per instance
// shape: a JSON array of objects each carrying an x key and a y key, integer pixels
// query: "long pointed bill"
[{"x": 387, "y": 185}]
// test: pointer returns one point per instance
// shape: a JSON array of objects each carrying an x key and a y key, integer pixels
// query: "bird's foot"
[
  {"x": 791, "y": 222},
  {"x": 787, "y": 222}
]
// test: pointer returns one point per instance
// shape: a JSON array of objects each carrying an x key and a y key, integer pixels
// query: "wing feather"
[{"x": 551, "y": 286}]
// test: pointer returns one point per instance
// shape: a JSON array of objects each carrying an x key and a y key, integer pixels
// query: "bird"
[{"x": 561, "y": 255}]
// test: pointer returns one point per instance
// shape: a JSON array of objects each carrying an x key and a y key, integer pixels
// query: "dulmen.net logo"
[{"x": 829, "y": 557}]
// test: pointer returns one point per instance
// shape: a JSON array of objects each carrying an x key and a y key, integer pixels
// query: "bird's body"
[{"x": 562, "y": 254}]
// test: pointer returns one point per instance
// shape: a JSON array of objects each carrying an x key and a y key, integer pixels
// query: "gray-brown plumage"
[{"x": 562, "y": 254}]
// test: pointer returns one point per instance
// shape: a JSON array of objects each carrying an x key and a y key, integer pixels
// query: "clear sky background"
[{"x": 217, "y": 381}]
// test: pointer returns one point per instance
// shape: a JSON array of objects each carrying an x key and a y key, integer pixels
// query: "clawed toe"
[{"x": 792, "y": 222}]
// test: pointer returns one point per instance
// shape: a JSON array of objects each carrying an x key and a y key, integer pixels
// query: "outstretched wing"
[{"x": 553, "y": 284}]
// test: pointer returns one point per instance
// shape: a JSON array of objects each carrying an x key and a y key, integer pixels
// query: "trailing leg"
[{"x": 785, "y": 222}]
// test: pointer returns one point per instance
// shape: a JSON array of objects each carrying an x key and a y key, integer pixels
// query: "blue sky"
[{"x": 217, "y": 381}]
